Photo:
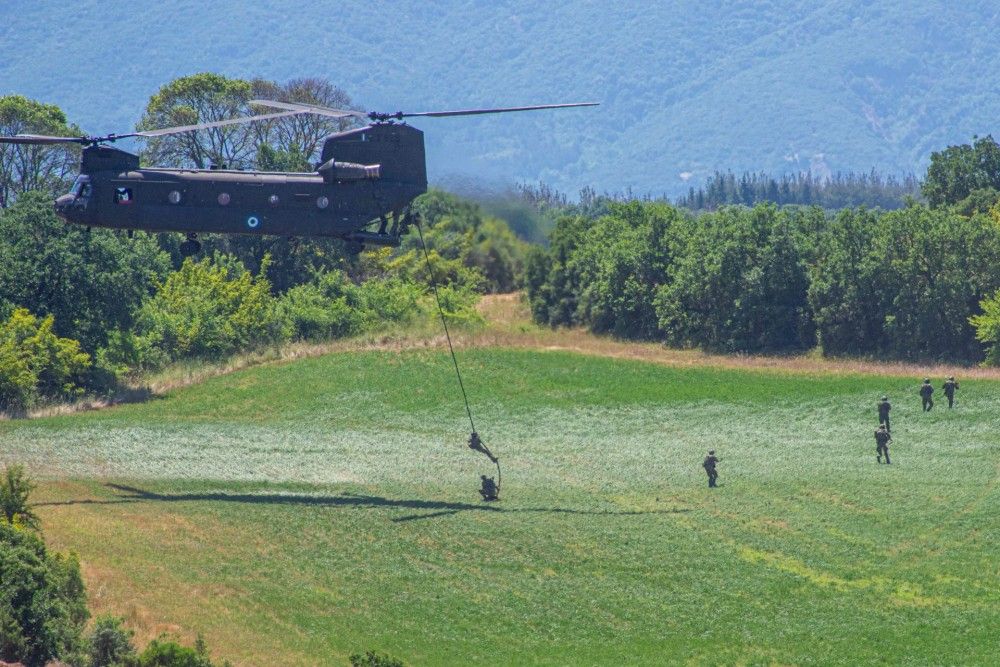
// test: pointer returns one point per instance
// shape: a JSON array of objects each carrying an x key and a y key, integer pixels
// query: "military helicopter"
[{"x": 365, "y": 177}]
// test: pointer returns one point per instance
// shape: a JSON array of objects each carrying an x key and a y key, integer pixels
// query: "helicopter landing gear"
[{"x": 191, "y": 246}]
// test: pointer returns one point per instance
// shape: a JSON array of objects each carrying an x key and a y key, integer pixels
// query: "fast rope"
[{"x": 474, "y": 441}]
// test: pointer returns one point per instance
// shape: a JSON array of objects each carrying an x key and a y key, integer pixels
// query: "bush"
[
  {"x": 459, "y": 235},
  {"x": 15, "y": 488},
  {"x": 459, "y": 306},
  {"x": 90, "y": 282},
  {"x": 42, "y": 601},
  {"x": 389, "y": 301},
  {"x": 987, "y": 325},
  {"x": 166, "y": 653},
  {"x": 322, "y": 309},
  {"x": 332, "y": 306},
  {"x": 373, "y": 659},
  {"x": 127, "y": 354},
  {"x": 206, "y": 310},
  {"x": 110, "y": 643},
  {"x": 35, "y": 362}
]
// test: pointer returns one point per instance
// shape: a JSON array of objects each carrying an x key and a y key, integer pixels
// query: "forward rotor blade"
[
  {"x": 204, "y": 126},
  {"x": 44, "y": 139},
  {"x": 41, "y": 139},
  {"x": 476, "y": 112},
  {"x": 301, "y": 107}
]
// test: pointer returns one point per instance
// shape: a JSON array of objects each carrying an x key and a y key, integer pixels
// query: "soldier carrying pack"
[
  {"x": 709, "y": 465},
  {"x": 882, "y": 440},
  {"x": 926, "y": 390},
  {"x": 950, "y": 387}
]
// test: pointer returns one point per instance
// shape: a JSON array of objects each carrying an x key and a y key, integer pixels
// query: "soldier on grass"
[
  {"x": 489, "y": 491},
  {"x": 709, "y": 464},
  {"x": 926, "y": 390},
  {"x": 883, "y": 412},
  {"x": 882, "y": 440},
  {"x": 950, "y": 387}
]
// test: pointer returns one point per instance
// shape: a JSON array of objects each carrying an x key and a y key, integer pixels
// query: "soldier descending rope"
[{"x": 490, "y": 490}]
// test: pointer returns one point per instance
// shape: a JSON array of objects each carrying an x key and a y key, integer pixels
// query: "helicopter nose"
[{"x": 62, "y": 204}]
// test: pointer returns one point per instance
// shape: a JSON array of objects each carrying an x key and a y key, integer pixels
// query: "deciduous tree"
[{"x": 25, "y": 167}]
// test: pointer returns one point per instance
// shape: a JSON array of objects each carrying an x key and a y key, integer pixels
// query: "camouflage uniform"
[
  {"x": 882, "y": 440},
  {"x": 709, "y": 465},
  {"x": 883, "y": 412},
  {"x": 925, "y": 395},
  {"x": 489, "y": 490},
  {"x": 950, "y": 386}
]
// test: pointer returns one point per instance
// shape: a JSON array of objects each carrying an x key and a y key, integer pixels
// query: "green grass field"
[{"x": 305, "y": 511}]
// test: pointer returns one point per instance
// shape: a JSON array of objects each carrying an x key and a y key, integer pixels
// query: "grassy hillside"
[
  {"x": 686, "y": 87},
  {"x": 318, "y": 508}
]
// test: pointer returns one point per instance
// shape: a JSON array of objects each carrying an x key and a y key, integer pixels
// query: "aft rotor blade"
[
  {"x": 41, "y": 139},
  {"x": 204, "y": 126},
  {"x": 301, "y": 107},
  {"x": 476, "y": 112}
]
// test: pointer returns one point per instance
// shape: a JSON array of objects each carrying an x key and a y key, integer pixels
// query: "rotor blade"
[
  {"x": 205, "y": 126},
  {"x": 41, "y": 139},
  {"x": 301, "y": 107},
  {"x": 475, "y": 112}
]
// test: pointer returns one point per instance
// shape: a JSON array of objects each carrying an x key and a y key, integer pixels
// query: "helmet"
[
  {"x": 927, "y": 380},
  {"x": 951, "y": 377},
  {"x": 711, "y": 452},
  {"x": 885, "y": 398}
]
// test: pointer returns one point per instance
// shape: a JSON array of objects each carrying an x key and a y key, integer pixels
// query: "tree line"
[
  {"x": 838, "y": 191},
  {"x": 917, "y": 283}
]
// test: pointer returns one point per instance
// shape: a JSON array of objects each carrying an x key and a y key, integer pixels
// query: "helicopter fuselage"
[{"x": 365, "y": 176}]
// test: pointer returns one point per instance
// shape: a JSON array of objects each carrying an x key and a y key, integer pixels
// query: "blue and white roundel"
[{"x": 253, "y": 222}]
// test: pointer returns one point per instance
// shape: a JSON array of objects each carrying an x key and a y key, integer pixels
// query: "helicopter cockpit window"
[
  {"x": 81, "y": 187},
  {"x": 123, "y": 195}
]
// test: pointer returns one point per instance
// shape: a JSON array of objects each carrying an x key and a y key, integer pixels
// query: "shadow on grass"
[
  {"x": 347, "y": 500},
  {"x": 132, "y": 494}
]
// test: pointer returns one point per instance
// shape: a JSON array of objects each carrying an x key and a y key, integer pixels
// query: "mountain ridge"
[{"x": 686, "y": 89}]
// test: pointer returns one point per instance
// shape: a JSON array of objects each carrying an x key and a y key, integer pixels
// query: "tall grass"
[{"x": 313, "y": 509}]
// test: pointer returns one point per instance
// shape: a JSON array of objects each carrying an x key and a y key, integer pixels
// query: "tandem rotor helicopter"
[{"x": 366, "y": 177}]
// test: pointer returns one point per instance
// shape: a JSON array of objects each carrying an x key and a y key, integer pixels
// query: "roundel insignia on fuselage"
[{"x": 253, "y": 222}]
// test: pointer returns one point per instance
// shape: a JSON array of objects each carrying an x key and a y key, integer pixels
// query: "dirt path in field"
[{"x": 508, "y": 324}]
